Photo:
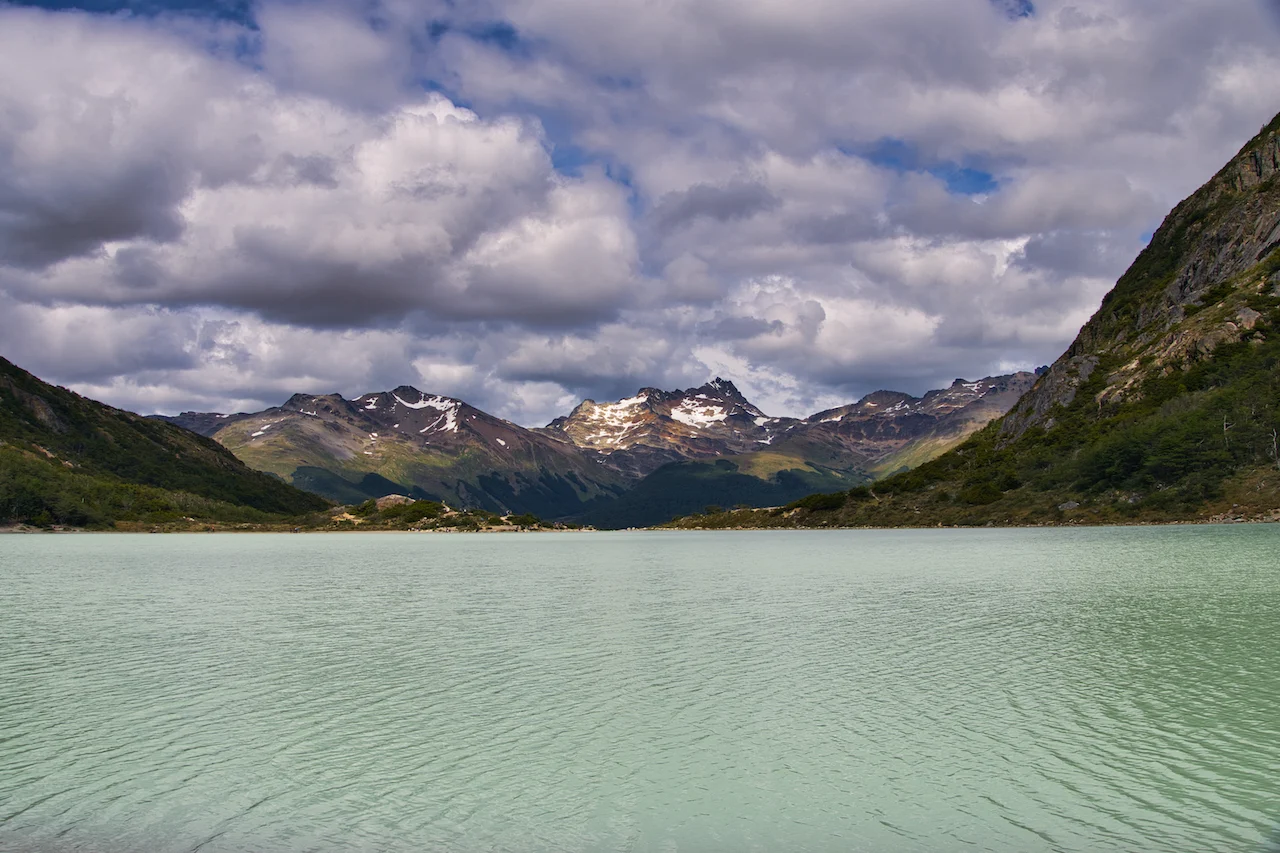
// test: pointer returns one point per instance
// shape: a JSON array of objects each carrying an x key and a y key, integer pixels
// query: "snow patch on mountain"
[
  {"x": 428, "y": 401},
  {"x": 699, "y": 417},
  {"x": 610, "y": 422},
  {"x": 447, "y": 422}
]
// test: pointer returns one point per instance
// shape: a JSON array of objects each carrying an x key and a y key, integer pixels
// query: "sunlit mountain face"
[{"x": 617, "y": 463}]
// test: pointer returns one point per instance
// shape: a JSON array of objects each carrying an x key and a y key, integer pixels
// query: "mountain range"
[{"x": 629, "y": 462}]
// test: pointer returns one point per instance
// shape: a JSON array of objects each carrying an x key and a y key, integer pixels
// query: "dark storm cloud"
[
  {"x": 78, "y": 344},
  {"x": 45, "y": 221},
  {"x": 191, "y": 180},
  {"x": 838, "y": 229}
]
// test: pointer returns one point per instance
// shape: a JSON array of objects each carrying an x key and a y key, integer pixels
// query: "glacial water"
[{"x": 1024, "y": 690}]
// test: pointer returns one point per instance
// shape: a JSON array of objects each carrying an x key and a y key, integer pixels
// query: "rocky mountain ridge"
[
  {"x": 410, "y": 442},
  {"x": 1154, "y": 319},
  {"x": 640, "y": 434},
  {"x": 430, "y": 446}
]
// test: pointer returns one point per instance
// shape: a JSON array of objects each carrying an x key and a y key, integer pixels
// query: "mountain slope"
[
  {"x": 879, "y": 432},
  {"x": 1165, "y": 407},
  {"x": 405, "y": 441},
  {"x": 638, "y": 435},
  {"x": 70, "y": 459},
  {"x": 887, "y": 430},
  {"x": 691, "y": 486},
  {"x": 627, "y": 463},
  {"x": 733, "y": 454}
]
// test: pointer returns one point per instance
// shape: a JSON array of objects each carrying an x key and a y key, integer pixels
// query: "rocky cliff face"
[
  {"x": 639, "y": 434},
  {"x": 1185, "y": 294},
  {"x": 882, "y": 431}
]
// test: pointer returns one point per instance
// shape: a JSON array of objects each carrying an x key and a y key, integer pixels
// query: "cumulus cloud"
[
  {"x": 288, "y": 205},
  {"x": 525, "y": 202}
]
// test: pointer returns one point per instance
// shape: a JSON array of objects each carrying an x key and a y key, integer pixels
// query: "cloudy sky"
[{"x": 213, "y": 205}]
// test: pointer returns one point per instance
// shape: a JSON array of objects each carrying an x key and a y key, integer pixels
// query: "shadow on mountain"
[{"x": 682, "y": 488}]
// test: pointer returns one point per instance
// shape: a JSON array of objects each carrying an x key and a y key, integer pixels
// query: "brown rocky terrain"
[{"x": 407, "y": 442}]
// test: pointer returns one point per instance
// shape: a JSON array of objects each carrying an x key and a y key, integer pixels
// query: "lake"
[{"x": 987, "y": 690}]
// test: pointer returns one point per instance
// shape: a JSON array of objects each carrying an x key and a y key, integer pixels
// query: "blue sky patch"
[
  {"x": 1016, "y": 8},
  {"x": 567, "y": 157},
  {"x": 961, "y": 180},
  {"x": 240, "y": 11},
  {"x": 901, "y": 156}
]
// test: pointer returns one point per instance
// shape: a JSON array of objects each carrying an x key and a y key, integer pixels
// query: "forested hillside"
[{"x": 65, "y": 459}]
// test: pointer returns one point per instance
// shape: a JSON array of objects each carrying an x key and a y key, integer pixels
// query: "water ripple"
[{"x": 908, "y": 691}]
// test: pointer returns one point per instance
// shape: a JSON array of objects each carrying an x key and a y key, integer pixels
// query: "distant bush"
[
  {"x": 419, "y": 510},
  {"x": 860, "y": 493}
]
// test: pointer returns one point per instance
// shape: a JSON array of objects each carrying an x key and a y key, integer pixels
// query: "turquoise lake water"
[{"x": 950, "y": 690}]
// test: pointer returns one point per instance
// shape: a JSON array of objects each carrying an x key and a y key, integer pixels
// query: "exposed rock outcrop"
[{"x": 1181, "y": 299}]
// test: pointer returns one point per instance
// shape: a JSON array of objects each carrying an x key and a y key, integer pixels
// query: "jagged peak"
[
  {"x": 720, "y": 387},
  {"x": 407, "y": 391}
]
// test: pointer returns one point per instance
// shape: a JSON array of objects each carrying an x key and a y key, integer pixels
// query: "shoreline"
[{"x": 26, "y": 529}]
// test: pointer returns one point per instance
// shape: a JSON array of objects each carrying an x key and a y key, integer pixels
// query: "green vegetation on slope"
[
  {"x": 329, "y": 484},
  {"x": 68, "y": 460},
  {"x": 43, "y": 492},
  {"x": 1169, "y": 452}
]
